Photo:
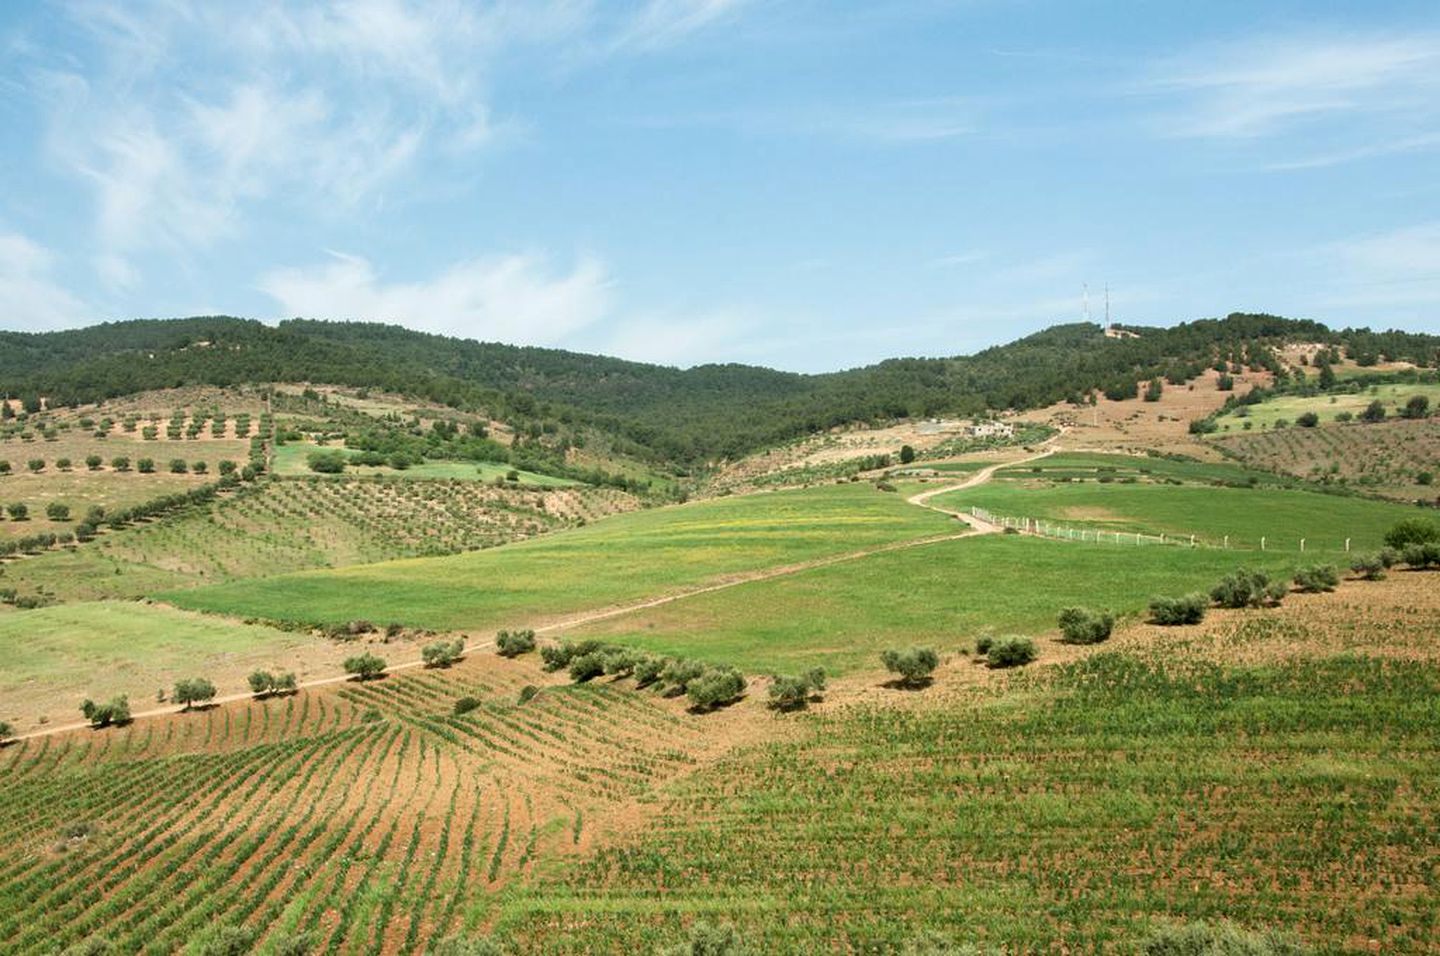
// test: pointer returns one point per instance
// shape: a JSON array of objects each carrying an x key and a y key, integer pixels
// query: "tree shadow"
[{"x": 900, "y": 683}]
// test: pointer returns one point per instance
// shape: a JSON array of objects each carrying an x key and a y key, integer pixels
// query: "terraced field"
[
  {"x": 1400, "y": 459},
  {"x": 369, "y": 820}
]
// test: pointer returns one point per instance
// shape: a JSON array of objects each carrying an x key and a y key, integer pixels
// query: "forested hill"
[{"x": 680, "y": 415}]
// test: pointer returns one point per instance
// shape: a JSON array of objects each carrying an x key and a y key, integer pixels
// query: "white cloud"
[
  {"x": 662, "y": 23},
  {"x": 1265, "y": 86},
  {"x": 512, "y": 298},
  {"x": 29, "y": 295},
  {"x": 716, "y": 335}
]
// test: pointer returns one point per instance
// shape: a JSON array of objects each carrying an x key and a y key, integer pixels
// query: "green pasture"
[
  {"x": 615, "y": 561},
  {"x": 110, "y": 647},
  {"x": 1327, "y": 405},
  {"x": 290, "y": 461},
  {"x": 1283, "y": 517},
  {"x": 942, "y": 594},
  {"x": 1096, "y": 464}
]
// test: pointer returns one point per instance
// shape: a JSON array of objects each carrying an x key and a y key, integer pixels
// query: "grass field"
[
  {"x": 1283, "y": 517},
  {"x": 290, "y": 459},
  {"x": 1327, "y": 406},
  {"x": 943, "y": 595},
  {"x": 622, "y": 559},
  {"x": 59, "y": 655}
]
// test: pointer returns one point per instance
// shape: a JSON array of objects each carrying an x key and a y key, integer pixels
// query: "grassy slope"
[
  {"x": 1289, "y": 407},
  {"x": 622, "y": 559},
  {"x": 106, "y": 648},
  {"x": 942, "y": 594},
  {"x": 1283, "y": 516}
]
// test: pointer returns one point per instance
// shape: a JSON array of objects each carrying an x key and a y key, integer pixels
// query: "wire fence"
[{"x": 1046, "y": 528}]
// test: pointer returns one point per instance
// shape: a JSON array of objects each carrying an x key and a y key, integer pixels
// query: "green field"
[
  {"x": 1283, "y": 517},
  {"x": 100, "y": 649},
  {"x": 1326, "y": 405},
  {"x": 621, "y": 559},
  {"x": 943, "y": 594},
  {"x": 1073, "y": 810},
  {"x": 290, "y": 460}
]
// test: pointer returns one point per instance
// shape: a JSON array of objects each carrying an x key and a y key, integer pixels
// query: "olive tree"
[
  {"x": 1186, "y": 609},
  {"x": 364, "y": 666},
  {"x": 115, "y": 711},
  {"x": 1080, "y": 625},
  {"x": 716, "y": 687},
  {"x": 914, "y": 665},
  {"x": 193, "y": 690},
  {"x": 443, "y": 653},
  {"x": 514, "y": 643}
]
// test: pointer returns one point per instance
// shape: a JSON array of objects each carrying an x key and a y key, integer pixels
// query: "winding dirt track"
[{"x": 974, "y": 526}]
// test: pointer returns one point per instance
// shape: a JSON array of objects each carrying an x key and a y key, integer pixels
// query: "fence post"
[
  {"x": 1302, "y": 545},
  {"x": 1227, "y": 542},
  {"x": 1347, "y": 545},
  {"x": 1262, "y": 542},
  {"x": 1192, "y": 541}
]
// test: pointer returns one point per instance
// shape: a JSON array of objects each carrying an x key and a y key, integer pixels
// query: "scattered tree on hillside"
[
  {"x": 1010, "y": 652},
  {"x": 1374, "y": 412},
  {"x": 907, "y": 454},
  {"x": 514, "y": 643},
  {"x": 267, "y": 684},
  {"x": 146, "y": 466},
  {"x": 790, "y": 692},
  {"x": 1369, "y": 566},
  {"x": 56, "y": 511},
  {"x": 1317, "y": 578},
  {"x": 1247, "y": 587},
  {"x": 914, "y": 665},
  {"x": 364, "y": 666},
  {"x": 1189, "y": 609},
  {"x": 1417, "y": 407},
  {"x": 1154, "y": 390},
  {"x": 18, "y": 511},
  {"x": 1412, "y": 531},
  {"x": 716, "y": 687},
  {"x": 193, "y": 690},
  {"x": 120, "y": 463},
  {"x": 36, "y": 465},
  {"x": 116, "y": 711},
  {"x": 443, "y": 653},
  {"x": 1307, "y": 419}
]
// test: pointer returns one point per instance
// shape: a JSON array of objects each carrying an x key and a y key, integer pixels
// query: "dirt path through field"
[{"x": 973, "y": 526}]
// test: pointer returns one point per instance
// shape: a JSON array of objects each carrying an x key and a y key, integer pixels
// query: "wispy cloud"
[
  {"x": 513, "y": 298},
  {"x": 31, "y": 296},
  {"x": 1269, "y": 85},
  {"x": 662, "y": 23}
]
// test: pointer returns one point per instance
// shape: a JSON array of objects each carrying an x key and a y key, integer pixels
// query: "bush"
[
  {"x": 443, "y": 653},
  {"x": 1369, "y": 566},
  {"x": 193, "y": 690},
  {"x": 55, "y": 511},
  {"x": 1079, "y": 625},
  {"x": 528, "y": 693},
  {"x": 558, "y": 656},
  {"x": 647, "y": 670},
  {"x": 1374, "y": 412},
  {"x": 1417, "y": 407},
  {"x": 678, "y": 674},
  {"x": 116, "y": 711},
  {"x": 914, "y": 665},
  {"x": 1412, "y": 531},
  {"x": 1422, "y": 555},
  {"x": 514, "y": 643},
  {"x": 36, "y": 465},
  {"x": 1218, "y": 939},
  {"x": 6, "y": 732},
  {"x": 466, "y": 704},
  {"x": 715, "y": 687},
  {"x": 146, "y": 466},
  {"x": 708, "y": 940},
  {"x": 364, "y": 666},
  {"x": 983, "y": 643},
  {"x": 1171, "y": 611},
  {"x": 1247, "y": 587},
  {"x": 326, "y": 462},
  {"x": 93, "y": 462},
  {"x": 1011, "y": 652},
  {"x": 583, "y": 667},
  {"x": 19, "y": 511},
  {"x": 1317, "y": 578},
  {"x": 619, "y": 661},
  {"x": 178, "y": 466},
  {"x": 792, "y": 693},
  {"x": 120, "y": 464},
  {"x": 1307, "y": 420}
]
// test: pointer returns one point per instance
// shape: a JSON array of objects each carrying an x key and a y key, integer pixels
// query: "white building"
[{"x": 990, "y": 429}]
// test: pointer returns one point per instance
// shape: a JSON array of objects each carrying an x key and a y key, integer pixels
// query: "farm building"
[{"x": 990, "y": 429}]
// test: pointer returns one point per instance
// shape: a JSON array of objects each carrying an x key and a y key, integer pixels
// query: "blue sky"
[{"x": 807, "y": 185}]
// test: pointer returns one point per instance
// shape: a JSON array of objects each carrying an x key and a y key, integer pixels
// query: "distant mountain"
[{"x": 679, "y": 415}]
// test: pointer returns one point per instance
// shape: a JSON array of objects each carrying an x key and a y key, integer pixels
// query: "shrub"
[
  {"x": 1188, "y": 609},
  {"x": 1011, "y": 652},
  {"x": 199, "y": 467},
  {"x": 1412, "y": 531},
  {"x": 466, "y": 704},
  {"x": 1374, "y": 412},
  {"x": 708, "y": 940},
  {"x": 1317, "y": 578},
  {"x": 93, "y": 462},
  {"x": 1369, "y": 566},
  {"x": 55, "y": 511},
  {"x": 914, "y": 665},
  {"x": 178, "y": 466},
  {"x": 443, "y": 653},
  {"x": 326, "y": 462},
  {"x": 193, "y": 690},
  {"x": 793, "y": 693},
  {"x": 558, "y": 656},
  {"x": 227, "y": 467},
  {"x": 265, "y": 684},
  {"x": 583, "y": 667},
  {"x": 983, "y": 643},
  {"x": 120, "y": 464},
  {"x": 1079, "y": 625},
  {"x": 907, "y": 454},
  {"x": 1307, "y": 419},
  {"x": 1423, "y": 555},
  {"x": 619, "y": 661},
  {"x": 146, "y": 466},
  {"x": 528, "y": 692},
  {"x": 715, "y": 687},
  {"x": 514, "y": 643},
  {"x": 36, "y": 465},
  {"x": 19, "y": 511},
  {"x": 1417, "y": 407},
  {"x": 1247, "y": 587},
  {"x": 6, "y": 732},
  {"x": 364, "y": 666},
  {"x": 1218, "y": 939},
  {"x": 678, "y": 674},
  {"x": 115, "y": 711},
  {"x": 647, "y": 670},
  {"x": 62, "y": 463}
]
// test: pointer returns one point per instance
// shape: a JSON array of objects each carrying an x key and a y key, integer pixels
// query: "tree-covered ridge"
[{"x": 663, "y": 413}]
